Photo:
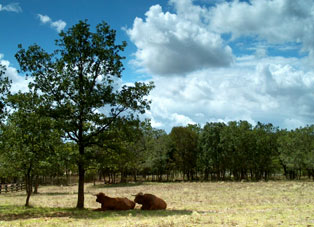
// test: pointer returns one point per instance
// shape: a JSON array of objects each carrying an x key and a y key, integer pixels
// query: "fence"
[{"x": 5, "y": 188}]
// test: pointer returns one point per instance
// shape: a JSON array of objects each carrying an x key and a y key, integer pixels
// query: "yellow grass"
[{"x": 189, "y": 204}]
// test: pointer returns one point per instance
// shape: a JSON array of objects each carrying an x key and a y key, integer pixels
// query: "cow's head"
[
  {"x": 139, "y": 198},
  {"x": 100, "y": 197}
]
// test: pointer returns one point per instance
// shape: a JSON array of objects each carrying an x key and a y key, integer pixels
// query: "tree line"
[
  {"x": 78, "y": 119},
  {"x": 235, "y": 150},
  {"x": 134, "y": 150}
]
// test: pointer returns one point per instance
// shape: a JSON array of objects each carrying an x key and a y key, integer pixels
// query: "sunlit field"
[{"x": 189, "y": 204}]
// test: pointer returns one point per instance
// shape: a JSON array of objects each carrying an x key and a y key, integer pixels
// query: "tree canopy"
[{"x": 79, "y": 83}]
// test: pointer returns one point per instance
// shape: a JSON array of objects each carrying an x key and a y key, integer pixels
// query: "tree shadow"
[
  {"x": 11, "y": 213},
  {"x": 42, "y": 193},
  {"x": 55, "y": 193}
]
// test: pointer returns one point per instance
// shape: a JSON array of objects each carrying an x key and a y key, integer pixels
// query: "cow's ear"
[{"x": 141, "y": 193}]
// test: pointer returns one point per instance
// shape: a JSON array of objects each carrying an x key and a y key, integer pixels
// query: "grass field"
[{"x": 277, "y": 203}]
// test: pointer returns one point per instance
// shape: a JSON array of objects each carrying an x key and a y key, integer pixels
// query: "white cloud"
[
  {"x": 257, "y": 80},
  {"x": 59, "y": 25},
  {"x": 270, "y": 90},
  {"x": 44, "y": 18},
  {"x": 179, "y": 119},
  {"x": 180, "y": 43},
  {"x": 13, "y": 7},
  {"x": 277, "y": 21},
  {"x": 19, "y": 83}
]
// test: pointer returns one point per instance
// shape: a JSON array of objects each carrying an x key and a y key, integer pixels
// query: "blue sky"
[
  {"x": 211, "y": 60},
  {"x": 22, "y": 23}
]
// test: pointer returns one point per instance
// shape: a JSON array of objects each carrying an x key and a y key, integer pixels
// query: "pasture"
[{"x": 274, "y": 203}]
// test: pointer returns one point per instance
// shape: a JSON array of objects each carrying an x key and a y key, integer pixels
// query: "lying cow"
[
  {"x": 150, "y": 202},
  {"x": 108, "y": 203}
]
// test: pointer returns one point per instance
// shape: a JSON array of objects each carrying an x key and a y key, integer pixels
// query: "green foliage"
[
  {"x": 28, "y": 139},
  {"x": 238, "y": 149},
  {"x": 265, "y": 158},
  {"x": 5, "y": 85},
  {"x": 79, "y": 84},
  {"x": 212, "y": 158},
  {"x": 185, "y": 149},
  {"x": 296, "y": 151}
]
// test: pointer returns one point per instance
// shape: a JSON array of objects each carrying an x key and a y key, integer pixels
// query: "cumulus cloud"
[
  {"x": 241, "y": 60},
  {"x": 269, "y": 90},
  {"x": 277, "y": 21},
  {"x": 13, "y": 7},
  {"x": 58, "y": 25},
  {"x": 177, "y": 43},
  {"x": 190, "y": 38}
]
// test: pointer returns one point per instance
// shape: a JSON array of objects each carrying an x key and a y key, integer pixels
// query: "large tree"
[
  {"x": 296, "y": 151},
  {"x": 185, "y": 149},
  {"x": 264, "y": 158},
  {"x": 212, "y": 158},
  {"x": 79, "y": 83}
]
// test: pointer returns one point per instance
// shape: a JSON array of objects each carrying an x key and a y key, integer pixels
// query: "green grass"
[{"x": 189, "y": 204}]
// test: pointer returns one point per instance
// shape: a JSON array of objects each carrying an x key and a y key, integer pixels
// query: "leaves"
[
  {"x": 77, "y": 85},
  {"x": 77, "y": 81}
]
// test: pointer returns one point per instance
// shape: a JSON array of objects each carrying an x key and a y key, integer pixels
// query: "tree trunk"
[
  {"x": 123, "y": 176},
  {"x": 81, "y": 170},
  {"x": 80, "y": 198},
  {"x": 29, "y": 187},
  {"x": 29, "y": 192},
  {"x": 36, "y": 185},
  {"x": 206, "y": 174},
  {"x": 68, "y": 178},
  {"x": 135, "y": 176}
]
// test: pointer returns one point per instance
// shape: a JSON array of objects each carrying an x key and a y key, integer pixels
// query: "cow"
[
  {"x": 108, "y": 203},
  {"x": 150, "y": 202}
]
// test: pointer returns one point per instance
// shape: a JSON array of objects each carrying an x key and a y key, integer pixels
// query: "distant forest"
[{"x": 133, "y": 151}]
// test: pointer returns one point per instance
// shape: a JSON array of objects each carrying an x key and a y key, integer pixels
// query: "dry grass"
[{"x": 189, "y": 204}]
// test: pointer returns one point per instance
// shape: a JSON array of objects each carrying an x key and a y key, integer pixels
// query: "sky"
[{"x": 210, "y": 60}]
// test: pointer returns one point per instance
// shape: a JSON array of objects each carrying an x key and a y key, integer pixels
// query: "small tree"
[
  {"x": 28, "y": 138},
  {"x": 4, "y": 91},
  {"x": 78, "y": 84}
]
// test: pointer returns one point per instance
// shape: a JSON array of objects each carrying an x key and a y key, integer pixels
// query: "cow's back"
[
  {"x": 154, "y": 203},
  {"x": 125, "y": 204}
]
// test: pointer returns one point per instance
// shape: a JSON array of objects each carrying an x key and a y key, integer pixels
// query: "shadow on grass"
[
  {"x": 11, "y": 213},
  {"x": 41, "y": 193},
  {"x": 55, "y": 193}
]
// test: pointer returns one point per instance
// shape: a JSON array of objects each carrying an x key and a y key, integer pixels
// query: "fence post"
[{"x": 6, "y": 188}]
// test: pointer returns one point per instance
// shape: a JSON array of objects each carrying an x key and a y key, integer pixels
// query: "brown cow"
[
  {"x": 108, "y": 203},
  {"x": 150, "y": 202}
]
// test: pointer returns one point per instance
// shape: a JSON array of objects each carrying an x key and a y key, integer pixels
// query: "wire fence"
[{"x": 5, "y": 188}]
